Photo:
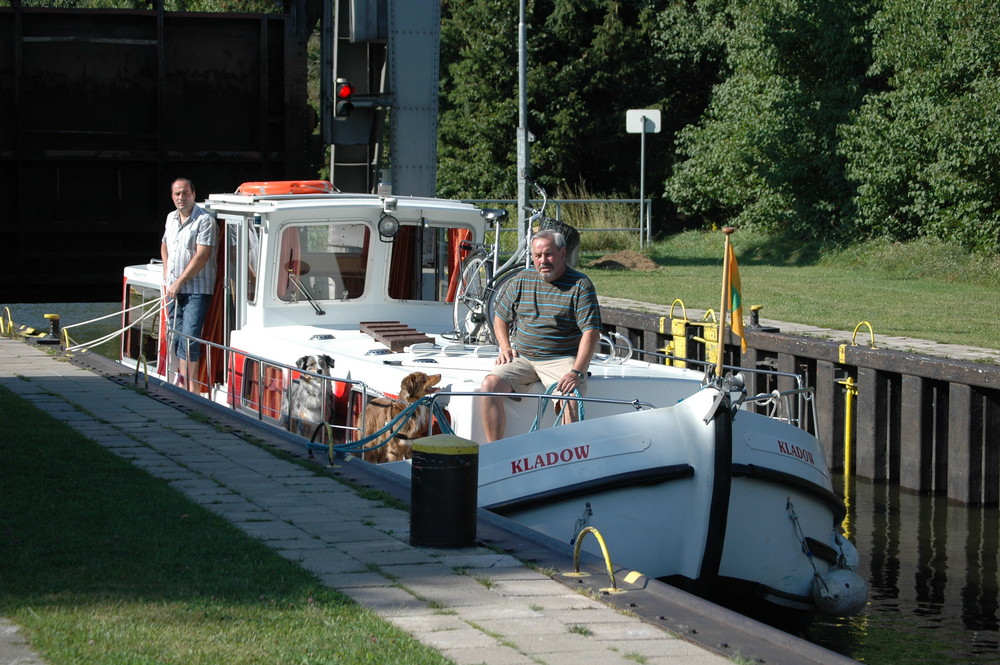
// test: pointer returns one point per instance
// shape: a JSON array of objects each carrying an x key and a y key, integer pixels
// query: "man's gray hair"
[{"x": 550, "y": 234}]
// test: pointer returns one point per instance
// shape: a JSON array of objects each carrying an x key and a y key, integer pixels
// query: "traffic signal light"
[{"x": 342, "y": 100}]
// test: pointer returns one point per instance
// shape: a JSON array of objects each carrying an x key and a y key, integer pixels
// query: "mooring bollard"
[{"x": 444, "y": 487}]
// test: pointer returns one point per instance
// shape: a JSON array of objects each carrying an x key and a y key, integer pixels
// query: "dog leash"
[{"x": 394, "y": 426}]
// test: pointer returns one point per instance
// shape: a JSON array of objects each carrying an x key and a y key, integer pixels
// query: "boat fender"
[
  {"x": 849, "y": 557},
  {"x": 840, "y": 592}
]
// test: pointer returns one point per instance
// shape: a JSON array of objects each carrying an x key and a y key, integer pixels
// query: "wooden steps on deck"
[{"x": 395, "y": 335}]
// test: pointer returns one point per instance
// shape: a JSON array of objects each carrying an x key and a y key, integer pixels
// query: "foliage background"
[{"x": 837, "y": 120}]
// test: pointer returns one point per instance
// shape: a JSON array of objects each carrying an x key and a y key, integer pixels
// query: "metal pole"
[
  {"x": 642, "y": 182},
  {"x": 523, "y": 159},
  {"x": 331, "y": 29}
]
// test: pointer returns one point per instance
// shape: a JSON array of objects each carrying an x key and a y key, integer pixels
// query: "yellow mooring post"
[
  {"x": 710, "y": 329},
  {"x": 677, "y": 347},
  {"x": 852, "y": 392}
]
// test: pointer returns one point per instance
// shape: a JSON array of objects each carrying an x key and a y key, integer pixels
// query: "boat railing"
[
  {"x": 802, "y": 393},
  {"x": 787, "y": 405},
  {"x": 637, "y": 404},
  {"x": 736, "y": 368},
  {"x": 260, "y": 366}
]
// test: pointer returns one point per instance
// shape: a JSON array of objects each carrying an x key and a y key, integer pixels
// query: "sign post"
[{"x": 643, "y": 121}]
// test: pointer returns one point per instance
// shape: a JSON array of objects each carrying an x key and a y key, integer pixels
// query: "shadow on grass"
[{"x": 698, "y": 249}]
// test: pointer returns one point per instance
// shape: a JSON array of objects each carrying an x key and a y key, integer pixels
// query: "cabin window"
[
  {"x": 426, "y": 262},
  {"x": 253, "y": 260},
  {"x": 252, "y": 256},
  {"x": 327, "y": 261}
]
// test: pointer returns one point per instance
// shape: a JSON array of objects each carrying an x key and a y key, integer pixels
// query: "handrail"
[
  {"x": 704, "y": 363},
  {"x": 805, "y": 393},
  {"x": 261, "y": 361}
]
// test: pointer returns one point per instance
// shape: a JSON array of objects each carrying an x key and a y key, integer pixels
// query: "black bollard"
[
  {"x": 52, "y": 337},
  {"x": 444, "y": 488}
]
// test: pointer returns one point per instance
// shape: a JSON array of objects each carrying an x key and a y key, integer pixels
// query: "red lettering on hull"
[
  {"x": 794, "y": 451},
  {"x": 541, "y": 461}
]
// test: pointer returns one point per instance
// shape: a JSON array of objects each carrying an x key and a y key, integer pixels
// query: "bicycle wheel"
[
  {"x": 469, "y": 311},
  {"x": 499, "y": 284}
]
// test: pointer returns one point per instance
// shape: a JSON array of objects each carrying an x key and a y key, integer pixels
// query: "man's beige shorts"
[{"x": 521, "y": 373}]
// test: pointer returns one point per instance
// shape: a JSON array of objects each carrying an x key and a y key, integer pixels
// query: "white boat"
[{"x": 681, "y": 478}]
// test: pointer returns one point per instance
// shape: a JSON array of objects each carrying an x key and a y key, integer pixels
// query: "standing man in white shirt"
[{"x": 187, "y": 250}]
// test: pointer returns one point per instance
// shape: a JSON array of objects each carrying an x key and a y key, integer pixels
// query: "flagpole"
[{"x": 724, "y": 307}]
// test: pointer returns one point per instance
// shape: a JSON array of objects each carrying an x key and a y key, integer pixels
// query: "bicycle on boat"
[{"x": 483, "y": 277}]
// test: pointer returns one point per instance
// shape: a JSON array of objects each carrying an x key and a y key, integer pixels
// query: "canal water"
[
  {"x": 932, "y": 565},
  {"x": 933, "y": 571}
]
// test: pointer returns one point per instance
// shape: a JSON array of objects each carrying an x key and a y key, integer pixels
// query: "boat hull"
[{"x": 675, "y": 498}]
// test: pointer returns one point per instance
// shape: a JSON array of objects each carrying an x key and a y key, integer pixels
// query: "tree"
[
  {"x": 924, "y": 147},
  {"x": 588, "y": 63},
  {"x": 765, "y": 152}
]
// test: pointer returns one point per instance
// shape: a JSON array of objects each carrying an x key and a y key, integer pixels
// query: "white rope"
[
  {"x": 106, "y": 316},
  {"x": 153, "y": 310}
]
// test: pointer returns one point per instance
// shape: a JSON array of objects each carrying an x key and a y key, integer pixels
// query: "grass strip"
[
  {"x": 923, "y": 289},
  {"x": 102, "y": 563}
]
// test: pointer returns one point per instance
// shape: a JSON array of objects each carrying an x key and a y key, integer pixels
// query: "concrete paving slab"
[
  {"x": 564, "y": 642},
  {"x": 14, "y": 649},
  {"x": 428, "y": 623},
  {"x": 453, "y": 639},
  {"x": 387, "y": 601},
  {"x": 538, "y": 625},
  {"x": 500, "y": 609},
  {"x": 498, "y": 655},
  {"x": 538, "y": 587},
  {"x": 564, "y": 601},
  {"x": 359, "y": 578},
  {"x": 660, "y": 647}
]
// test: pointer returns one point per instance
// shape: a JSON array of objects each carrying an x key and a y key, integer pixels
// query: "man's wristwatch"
[{"x": 577, "y": 372}]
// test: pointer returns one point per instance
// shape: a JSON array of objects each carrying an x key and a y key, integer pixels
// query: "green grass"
[
  {"x": 102, "y": 563},
  {"x": 923, "y": 289}
]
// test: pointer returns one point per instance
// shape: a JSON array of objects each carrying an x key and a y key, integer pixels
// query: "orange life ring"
[{"x": 286, "y": 187}]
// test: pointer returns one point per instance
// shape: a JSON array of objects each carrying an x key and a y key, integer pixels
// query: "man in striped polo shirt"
[
  {"x": 548, "y": 325},
  {"x": 188, "y": 276}
]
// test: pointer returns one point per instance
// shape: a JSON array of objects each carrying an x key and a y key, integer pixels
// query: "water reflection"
[
  {"x": 933, "y": 571},
  {"x": 33, "y": 315}
]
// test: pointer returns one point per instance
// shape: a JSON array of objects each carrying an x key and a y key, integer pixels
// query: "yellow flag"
[{"x": 736, "y": 298}]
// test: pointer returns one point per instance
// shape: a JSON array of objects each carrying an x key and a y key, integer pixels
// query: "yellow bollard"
[
  {"x": 678, "y": 332},
  {"x": 710, "y": 332}
]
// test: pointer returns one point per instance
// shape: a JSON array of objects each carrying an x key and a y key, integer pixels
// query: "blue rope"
[
  {"x": 545, "y": 403},
  {"x": 394, "y": 426}
]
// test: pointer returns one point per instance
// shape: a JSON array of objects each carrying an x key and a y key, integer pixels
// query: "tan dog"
[{"x": 383, "y": 410}]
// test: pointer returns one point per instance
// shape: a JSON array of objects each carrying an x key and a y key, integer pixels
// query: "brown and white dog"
[
  {"x": 309, "y": 401},
  {"x": 383, "y": 410}
]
